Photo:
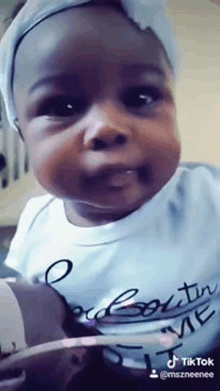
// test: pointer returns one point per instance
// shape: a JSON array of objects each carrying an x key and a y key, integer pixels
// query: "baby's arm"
[{"x": 46, "y": 318}]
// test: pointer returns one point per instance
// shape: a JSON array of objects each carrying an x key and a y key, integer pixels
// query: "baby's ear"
[{"x": 17, "y": 127}]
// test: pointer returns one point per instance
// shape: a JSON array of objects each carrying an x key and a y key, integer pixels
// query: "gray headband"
[{"x": 145, "y": 13}]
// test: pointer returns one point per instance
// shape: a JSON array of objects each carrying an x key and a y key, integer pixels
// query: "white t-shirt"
[{"x": 156, "y": 270}]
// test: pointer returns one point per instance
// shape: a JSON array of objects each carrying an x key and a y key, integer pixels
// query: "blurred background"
[{"x": 197, "y": 26}]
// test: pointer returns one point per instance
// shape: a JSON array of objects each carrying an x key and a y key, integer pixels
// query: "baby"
[{"x": 127, "y": 234}]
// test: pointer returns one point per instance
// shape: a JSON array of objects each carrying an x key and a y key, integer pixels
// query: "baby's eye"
[
  {"x": 140, "y": 97},
  {"x": 61, "y": 107}
]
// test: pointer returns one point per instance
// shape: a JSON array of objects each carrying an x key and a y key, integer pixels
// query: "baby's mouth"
[
  {"x": 122, "y": 178},
  {"x": 119, "y": 178}
]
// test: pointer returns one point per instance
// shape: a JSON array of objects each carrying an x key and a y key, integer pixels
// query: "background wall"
[{"x": 198, "y": 93}]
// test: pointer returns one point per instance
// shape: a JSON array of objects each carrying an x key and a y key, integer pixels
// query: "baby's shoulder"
[
  {"x": 202, "y": 173},
  {"x": 199, "y": 182},
  {"x": 200, "y": 166},
  {"x": 32, "y": 210},
  {"x": 36, "y": 204}
]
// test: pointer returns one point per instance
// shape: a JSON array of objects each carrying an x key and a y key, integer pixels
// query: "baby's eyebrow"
[
  {"x": 125, "y": 71},
  {"x": 135, "y": 69},
  {"x": 48, "y": 80}
]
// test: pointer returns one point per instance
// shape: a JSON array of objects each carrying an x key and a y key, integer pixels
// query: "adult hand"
[{"x": 46, "y": 318}]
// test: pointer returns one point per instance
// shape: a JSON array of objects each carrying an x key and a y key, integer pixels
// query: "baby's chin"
[
  {"x": 119, "y": 203},
  {"x": 107, "y": 212}
]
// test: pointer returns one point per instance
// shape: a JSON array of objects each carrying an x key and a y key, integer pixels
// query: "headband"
[{"x": 145, "y": 13}]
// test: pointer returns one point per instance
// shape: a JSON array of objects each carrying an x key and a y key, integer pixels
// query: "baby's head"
[{"x": 94, "y": 98}]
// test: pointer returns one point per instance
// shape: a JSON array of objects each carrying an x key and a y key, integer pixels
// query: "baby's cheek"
[
  {"x": 170, "y": 122},
  {"x": 46, "y": 170},
  {"x": 54, "y": 166}
]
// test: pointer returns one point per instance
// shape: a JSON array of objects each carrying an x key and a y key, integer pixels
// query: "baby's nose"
[{"x": 105, "y": 138}]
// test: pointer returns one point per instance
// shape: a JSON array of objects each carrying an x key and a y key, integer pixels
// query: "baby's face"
[{"x": 95, "y": 104}]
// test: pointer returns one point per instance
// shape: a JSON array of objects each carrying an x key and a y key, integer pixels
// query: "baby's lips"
[{"x": 122, "y": 178}]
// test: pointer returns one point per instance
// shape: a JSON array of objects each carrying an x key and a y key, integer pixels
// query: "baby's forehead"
[{"x": 85, "y": 33}]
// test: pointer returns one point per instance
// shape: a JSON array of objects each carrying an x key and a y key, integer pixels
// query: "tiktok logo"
[{"x": 172, "y": 363}]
